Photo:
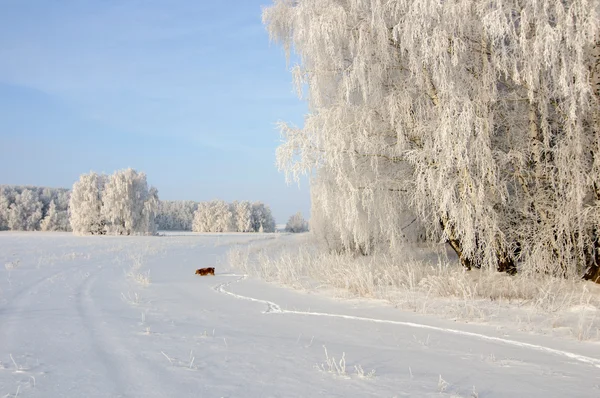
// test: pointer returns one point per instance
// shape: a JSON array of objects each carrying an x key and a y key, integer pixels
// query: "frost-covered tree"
[
  {"x": 166, "y": 216},
  {"x": 62, "y": 209},
  {"x": 296, "y": 224},
  {"x": 218, "y": 216},
  {"x": 480, "y": 117},
  {"x": 4, "y": 208},
  {"x": 85, "y": 205},
  {"x": 203, "y": 218},
  {"x": 243, "y": 216},
  {"x": 51, "y": 221},
  {"x": 261, "y": 219},
  {"x": 46, "y": 196},
  {"x": 163, "y": 218},
  {"x": 62, "y": 199},
  {"x": 214, "y": 216},
  {"x": 148, "y": 225},
  {"x": 56, "y": 214},
  {"x": 26, "y": 212},
  {"x": 176, "y": 215},
  {"x": 362, "y": 183},
  {"x": 119, "y": 204},
  {"x": 128, "y": 206},
  {"x": 23, "y": 204},
  {"x": 223, "y": 216}
]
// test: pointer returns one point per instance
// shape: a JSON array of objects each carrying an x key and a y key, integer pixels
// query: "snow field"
[{"x": 77, "y": 319}]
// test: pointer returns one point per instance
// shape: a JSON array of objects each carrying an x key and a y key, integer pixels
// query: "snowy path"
[
  {"x": 60, "y": 325},
  {"x": 273, "y": 308},
  {"x": 73, "y": 324}
]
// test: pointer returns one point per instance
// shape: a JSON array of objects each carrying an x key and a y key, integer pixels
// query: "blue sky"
[{"x": 187, "y": 91}]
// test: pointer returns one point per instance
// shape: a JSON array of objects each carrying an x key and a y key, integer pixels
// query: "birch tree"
[
  {"x": 4, "y": 208},
  {"x": 214, "y": 216},
  {"x": 479, "y": 117},
  {"x": 26, "y": 207},
  {"x": 51, "y": 221},
  {"x": 148, "y": 224},
  {"x": 128, "y": 206},
  {"x": 223, "y": 216},
  {"x": 203, "y": 219},
  {"x": 26, "y": 212},
  {"x": 243, "y": 216},
  {"x": 296, "y": 224},
  {"x": 176, "y": 215},
  {"x": 85, "y": 205},
  {"x": 261, "y": 219},
  {"x": 62, "y": 208}
]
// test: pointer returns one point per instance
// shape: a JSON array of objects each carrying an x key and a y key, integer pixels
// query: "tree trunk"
[
  {"x": 506, "y": 263},
  {"x": 456, "y": 245},
  {"x": 593, "y": 270}
]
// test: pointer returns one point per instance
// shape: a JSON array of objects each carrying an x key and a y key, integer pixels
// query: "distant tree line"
[
  {"x": 215, "y": 216},
  {"x": 176, "y": 215},
  {"x": 122, "y": 204},
  {"x": 27, "y": 208}
]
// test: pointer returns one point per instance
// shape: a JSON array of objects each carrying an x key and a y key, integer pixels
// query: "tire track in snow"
[
  {"x": 130, "y": 375},
  {"x": 11, "y": 309},
  {"x": 109, "y": 364},
  {"x": 22, "y": 302},
  {"x": 273, "y": 308},
  {"x": 39, "y": 282}
]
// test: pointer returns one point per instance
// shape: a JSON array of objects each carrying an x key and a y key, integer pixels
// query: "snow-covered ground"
[{"x": 127, "y": 317}]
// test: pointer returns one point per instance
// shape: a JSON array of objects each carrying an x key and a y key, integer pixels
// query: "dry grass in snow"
[{"x": 428, "y": 280}]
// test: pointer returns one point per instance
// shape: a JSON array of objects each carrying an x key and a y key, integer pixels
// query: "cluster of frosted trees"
[
  {"x": 220, "y": 216},
  {"x": 117, "y": 204},
  {"x": 34, "y": 209},
  {"x": 296, "y": 224},
  {"x": 214, "y": 216},
  {"x": 475, "y": 122},
  {"x": 176, "y": 215}
]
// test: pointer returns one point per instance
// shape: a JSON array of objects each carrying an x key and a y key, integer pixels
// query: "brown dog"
[{"x": 205, "y": 271}]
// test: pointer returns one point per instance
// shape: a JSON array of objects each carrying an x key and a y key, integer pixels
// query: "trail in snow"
[
  {"x": 273, "y": 308},
  {"x": 58, "y": 330},
  {"x": 130, "y": 374}
]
